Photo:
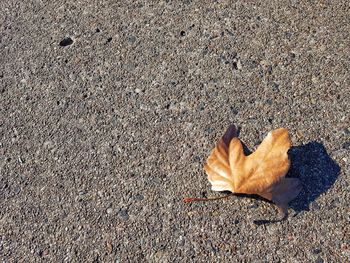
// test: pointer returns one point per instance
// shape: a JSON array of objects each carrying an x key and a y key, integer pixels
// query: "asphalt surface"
[{"x": 109, "y": 110}]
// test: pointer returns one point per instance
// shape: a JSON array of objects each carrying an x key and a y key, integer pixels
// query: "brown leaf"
[{"x": 262, "y": 172}]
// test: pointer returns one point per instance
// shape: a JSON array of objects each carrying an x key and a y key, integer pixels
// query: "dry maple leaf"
[{"x": 261, "y": 173}]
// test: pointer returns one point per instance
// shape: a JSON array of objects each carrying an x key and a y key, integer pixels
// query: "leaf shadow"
[{"x": 316, "y": 171}]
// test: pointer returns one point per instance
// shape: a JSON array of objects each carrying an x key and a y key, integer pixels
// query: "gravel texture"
[{"x": 109, "y": 110}]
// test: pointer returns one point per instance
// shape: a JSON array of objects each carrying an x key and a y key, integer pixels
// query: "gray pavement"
[{"x": 109, "y": 109}]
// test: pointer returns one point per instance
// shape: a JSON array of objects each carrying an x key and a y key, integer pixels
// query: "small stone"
[
  {"x": 269, "y": 69},
  {"x": 322, "y": 48},
  {"x": 109, "y": 247},
  {"x": 316, "y": 251},
  {"x": 344, "y": 246},
  {"x": 139, "y": 197},
  {"x": 231, "y": 55},
  {"x": 346, "y": 145},
  {"x": 49, "y": 145},
  {"x": 264, "y": 63},
  {"x": 123, "y": 213},
  {"x": 275, "y": 87},
  {"x": 254, "y": 206},
  {"x": 17, "y": 190},
  {"x": 109, "y": 211},
  {"x": 130, "y": 66},
  {"x": 191, "y": 213},
  {"x": 201, "y": 106},
  {"x": 239, "y": 65},
  {"x": 319, "y": 260},
  {"x": 233, "y": 110},
  {"x": 299, "y": 134},
  {"x": 315, "y": 206},
  {"x": 209, "y": 130},
  {"x": 156, "y": 181},
  {"x": 181, "y": 241},
  {"x": 215, "y": 213},
  {"x": 45, "y": 253},
  {"x": 197, "y": 158},
  {"x": 132, "y": 39},
  {"x": 269, "y": 101}
]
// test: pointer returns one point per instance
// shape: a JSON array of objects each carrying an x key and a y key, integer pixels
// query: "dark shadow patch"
[
  {"x": 268, "y": 222},
  {"x": 246, "y": 150},
  {"x": 316, "y": 171},
  {"x": 66, "y": 42},
  {"x": 234, "y": 65}
]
